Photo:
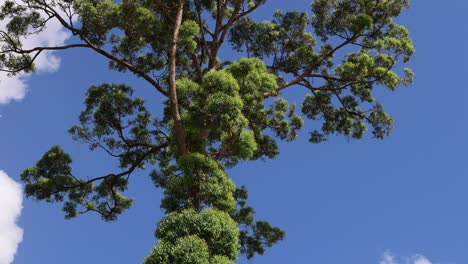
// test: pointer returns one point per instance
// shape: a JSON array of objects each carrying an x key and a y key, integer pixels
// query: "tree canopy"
[{"x": 216, "y": 113}]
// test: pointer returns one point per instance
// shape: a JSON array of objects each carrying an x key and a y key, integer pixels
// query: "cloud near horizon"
[
  {"x": 389, "y": 258},
  {"x": 14, "y": 88},
  {"x": 11, "y": 200}
]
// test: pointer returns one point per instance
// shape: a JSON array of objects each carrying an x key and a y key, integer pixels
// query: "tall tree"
[{"x": 216, "y": 113}]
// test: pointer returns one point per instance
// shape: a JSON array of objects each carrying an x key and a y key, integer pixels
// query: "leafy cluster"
[
  {"x": 211, "y": 234},
  {"x": 216, "y": 113}
]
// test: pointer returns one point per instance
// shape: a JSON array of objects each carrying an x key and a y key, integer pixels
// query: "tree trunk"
[{"x": 179, "y": 129}]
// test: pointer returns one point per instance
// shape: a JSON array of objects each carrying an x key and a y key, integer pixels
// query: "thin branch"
[
  {"x": 27, "y": 51},
  {"x": 134, "y": 166},
  {"x": 312, "y": 67}
]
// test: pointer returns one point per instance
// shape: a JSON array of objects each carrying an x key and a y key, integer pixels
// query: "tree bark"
[{"x": 178, "y": 128}]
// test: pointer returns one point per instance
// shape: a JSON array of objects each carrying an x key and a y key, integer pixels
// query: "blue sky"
[{"x": 364, "y": 201}]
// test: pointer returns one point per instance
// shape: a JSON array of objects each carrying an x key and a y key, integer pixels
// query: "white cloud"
[
  {"x": 389, "y": 258},
  {"x": 11, "y": 235},
  {"x": 15, "y": 88},
  {"x": 421, "y": 260}
]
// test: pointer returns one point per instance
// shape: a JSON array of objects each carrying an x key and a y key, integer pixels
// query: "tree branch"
[
  {"x": 52, "y": 12},
  {"x": 312, "y": 67}
]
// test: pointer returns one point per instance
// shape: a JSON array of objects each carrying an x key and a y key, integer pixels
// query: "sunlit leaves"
[
  {"x": 185, "y": 250},
  {"x": 201, "y": 175},
  {"x": 97, "y": 18},
  {"x": 214, "y": 232},
  {"x": 188, "y": 30}
]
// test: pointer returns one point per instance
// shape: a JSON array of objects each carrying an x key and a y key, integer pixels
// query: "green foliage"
[
  {"x": 216, "y": 229},
  {"x": 225, "y": 114},
  {"x": 119, "y": 124},
  {"x": 218, "y": 113},
  {"x": 52, "y": 180},
  {"x": 198, "y": 174},
  {"x": 52, "y": 172},
  {"x": 188, "y": 30},
  {"x": 254, "y": 236},
  {"x": 185, "y": 250},
  {"x": 285, "y": 39}
]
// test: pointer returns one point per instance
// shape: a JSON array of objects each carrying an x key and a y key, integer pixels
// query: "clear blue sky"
[{"x": 339, "y": 202}]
